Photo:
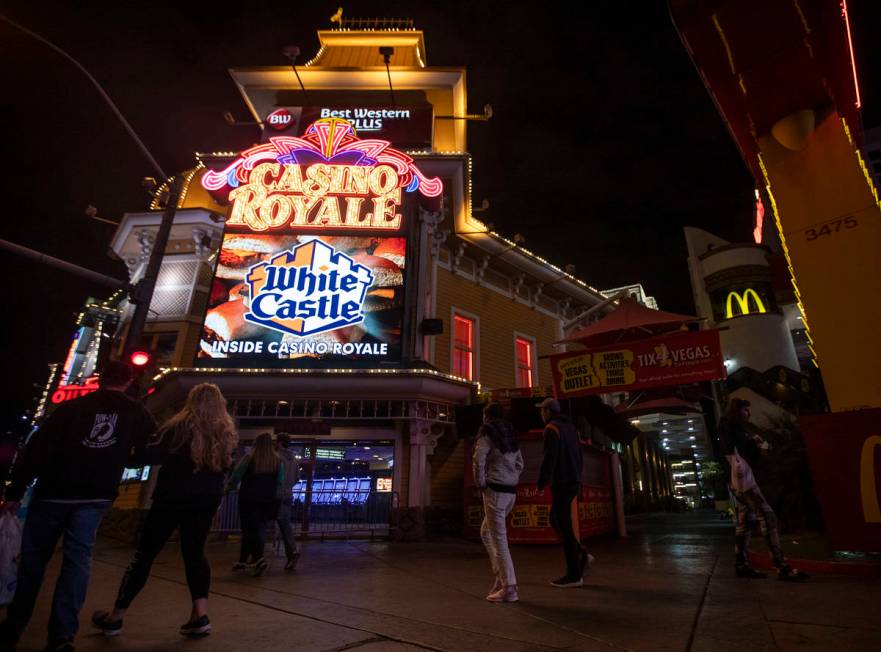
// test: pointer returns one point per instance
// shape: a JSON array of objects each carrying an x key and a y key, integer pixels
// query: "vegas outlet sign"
[{"x": 328, "y": 178}]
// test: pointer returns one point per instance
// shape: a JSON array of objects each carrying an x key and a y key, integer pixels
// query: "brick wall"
[{"x": 500, "y": 316}]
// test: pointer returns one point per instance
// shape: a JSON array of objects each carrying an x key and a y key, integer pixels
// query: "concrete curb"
[{"x": 820, "y": 566}]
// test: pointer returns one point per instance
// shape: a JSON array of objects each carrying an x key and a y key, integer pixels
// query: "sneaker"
[
  {"x": 504, "y": 594},
  {"x": 108, "y": 627},
  {"x": 567, "y": 582},
  {"x": 789, "y": 574},
  {"x": 292, "y": 561},
  {"x": 60, "y": 646},
  {"x": 260, "y": 566},
  {"x": 749, "y": 572},
  {"x": 239, "y": 566},
  {"x": 199, "y": 627}
]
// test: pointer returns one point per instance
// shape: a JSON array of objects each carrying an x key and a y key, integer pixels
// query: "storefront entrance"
[{"x": 346, "y": 488}]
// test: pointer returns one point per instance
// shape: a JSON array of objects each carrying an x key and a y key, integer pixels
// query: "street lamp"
[{"x": 142, "y": 293}]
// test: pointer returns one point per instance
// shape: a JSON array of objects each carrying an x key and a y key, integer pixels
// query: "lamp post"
[{"x": 142, "y": 292}]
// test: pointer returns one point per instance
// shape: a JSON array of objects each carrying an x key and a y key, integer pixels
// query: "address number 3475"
[{"x": 830, "y": 228}]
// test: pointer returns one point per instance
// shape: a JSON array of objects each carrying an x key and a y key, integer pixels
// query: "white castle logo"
[{"x": 313, "y": 288}]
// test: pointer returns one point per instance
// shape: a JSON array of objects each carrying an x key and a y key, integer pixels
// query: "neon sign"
[
  {"x": 328, "y": 178},
  {"x": 742, "y": 299},
  {"x": 760, "y": 218},
  {"x": 313, "y": 288},
  {"x": 67, "y": 392}
]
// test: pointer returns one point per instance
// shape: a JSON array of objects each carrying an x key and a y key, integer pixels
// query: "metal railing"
[{"x": 329, "y": 513}]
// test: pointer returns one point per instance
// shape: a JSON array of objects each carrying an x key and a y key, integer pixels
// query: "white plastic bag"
[
  {"x": 742, "y": 478},
  {"x": 10, "y": 548}
]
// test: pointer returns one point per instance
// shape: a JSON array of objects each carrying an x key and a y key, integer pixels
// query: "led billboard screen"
[{"x": 305, "y": 297}]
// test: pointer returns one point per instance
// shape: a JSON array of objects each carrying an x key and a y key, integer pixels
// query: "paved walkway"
[{"x": 669, "y": 586}]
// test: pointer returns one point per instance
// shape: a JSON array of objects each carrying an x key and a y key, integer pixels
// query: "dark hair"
[
  {"x": 263, "y": 457},
  {"x": 115, "y": 374},
  {"x": 500, "y": 432},
  {"x": 732, "y": 410},
  {"x": 493, "y": 411},
  {"x": 283, "y": 439}
]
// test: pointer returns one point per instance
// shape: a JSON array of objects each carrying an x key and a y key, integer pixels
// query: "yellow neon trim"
[{"x": 801, "y": 308}]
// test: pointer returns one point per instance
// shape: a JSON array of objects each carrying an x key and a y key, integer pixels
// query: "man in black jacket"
[
  {"x": 77, "y": 456},
  {"x": 561, "y": 470}
]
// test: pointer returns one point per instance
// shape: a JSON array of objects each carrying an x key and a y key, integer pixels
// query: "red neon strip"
[
  {"x": 853, "y": 63},
  {"x": 760, "y": 218}
]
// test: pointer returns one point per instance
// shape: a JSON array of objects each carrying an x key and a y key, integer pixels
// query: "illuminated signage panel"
[
  {"x": 313, "y": 263},
  {"x": 407, "y": 127},
  {"x": 306, "y": 297}
]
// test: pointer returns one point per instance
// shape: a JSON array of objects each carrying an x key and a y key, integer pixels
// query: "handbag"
[{"x": 742, "y": 478}]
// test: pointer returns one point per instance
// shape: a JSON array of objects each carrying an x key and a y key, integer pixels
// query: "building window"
[
  {"x": 463, "y": 347},
  {"x": 524, "y": 350}
]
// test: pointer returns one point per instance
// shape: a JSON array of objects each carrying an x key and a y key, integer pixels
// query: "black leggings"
[
  {"x": 161, "y": 521},
  {"x": 255, "y": 517},
  {"x": 562, "y": 496}
]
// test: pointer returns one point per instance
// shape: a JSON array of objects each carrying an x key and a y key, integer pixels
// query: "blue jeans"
[{"x": 46, "y": 522}]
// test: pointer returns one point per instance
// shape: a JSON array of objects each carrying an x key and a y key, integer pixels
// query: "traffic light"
[
  {"x": 143, "y": 362},
  {"x": 139, "y": 359}
]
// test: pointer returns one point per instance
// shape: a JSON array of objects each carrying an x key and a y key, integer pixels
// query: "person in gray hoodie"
[
  {"x": 497, "y": 464},
  {"x": 291, "y": 476}
]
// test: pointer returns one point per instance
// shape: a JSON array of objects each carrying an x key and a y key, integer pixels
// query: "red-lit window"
[
  {"x": 463, "y": 347},
  {"x": 523, "y": 350}
]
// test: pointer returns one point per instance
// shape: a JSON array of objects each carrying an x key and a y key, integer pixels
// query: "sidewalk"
[{"x": 669, "y": 586}]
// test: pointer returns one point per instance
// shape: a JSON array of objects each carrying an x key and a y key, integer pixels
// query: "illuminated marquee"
[
  {"x": 742, "y": 299},
  {"x": 328, "y": 178}
]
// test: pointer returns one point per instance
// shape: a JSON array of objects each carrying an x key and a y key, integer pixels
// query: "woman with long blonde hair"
[
  {"x": 195, "y": 449},
  {"x": 261, "y": 474}
]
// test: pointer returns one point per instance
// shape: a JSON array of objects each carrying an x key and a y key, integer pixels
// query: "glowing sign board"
[
  {"x": 306, "y": 296},
  {"x": 313, "y": 261},
  {"x": 410, "y": 126},
  {"x": 742, "y": 299},
  {"x": 676, "y": 358},
  {"x": 328, "y": 178}
]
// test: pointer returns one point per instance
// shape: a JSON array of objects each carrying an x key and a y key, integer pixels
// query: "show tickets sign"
[
  {"x": 672, "y": 359},
  {"x": 408, "y": 127}
]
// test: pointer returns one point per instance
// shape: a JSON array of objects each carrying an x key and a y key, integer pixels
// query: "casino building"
[{"x": 335, "y": 282}]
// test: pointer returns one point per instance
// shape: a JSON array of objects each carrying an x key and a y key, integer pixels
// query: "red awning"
[{"x": 628, "y": 321}]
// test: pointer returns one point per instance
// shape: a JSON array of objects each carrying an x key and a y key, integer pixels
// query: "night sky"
[{"x": 649, "y": 156}]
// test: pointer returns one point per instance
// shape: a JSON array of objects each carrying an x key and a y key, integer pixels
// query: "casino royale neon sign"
[{"x": 328, "y": 178}]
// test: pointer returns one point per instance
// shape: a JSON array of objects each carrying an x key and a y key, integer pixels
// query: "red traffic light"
[{"x": 139, "y": 358}]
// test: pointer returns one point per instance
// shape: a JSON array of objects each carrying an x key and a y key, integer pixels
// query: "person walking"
[
  {"x": 261, "y": 474},
  {"x": 77, "y": 455},
  {"x": 497, "y": 464},
  {"x": 283, "y": 518},
  {"x": 561, "y": 471},
  {"x": 195, "y": 449},
  {"x": 743, "y": 450}
]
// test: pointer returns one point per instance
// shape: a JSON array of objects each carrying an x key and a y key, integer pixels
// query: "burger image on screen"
[
  {"x": 226, "y": 323},
  {"x": 395, "y": 249},
  {"x": 239, "y": 252}
]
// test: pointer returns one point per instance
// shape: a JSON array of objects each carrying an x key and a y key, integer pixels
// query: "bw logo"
[{"x": 310, "y": 289}]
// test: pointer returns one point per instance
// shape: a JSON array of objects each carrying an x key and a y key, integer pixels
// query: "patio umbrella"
[{"x": 629, "y": 321}]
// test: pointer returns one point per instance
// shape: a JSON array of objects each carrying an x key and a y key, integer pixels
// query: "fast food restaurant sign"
[
  {"x": 672, "y": 359},
  {"x": 313, "y": 262}
]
